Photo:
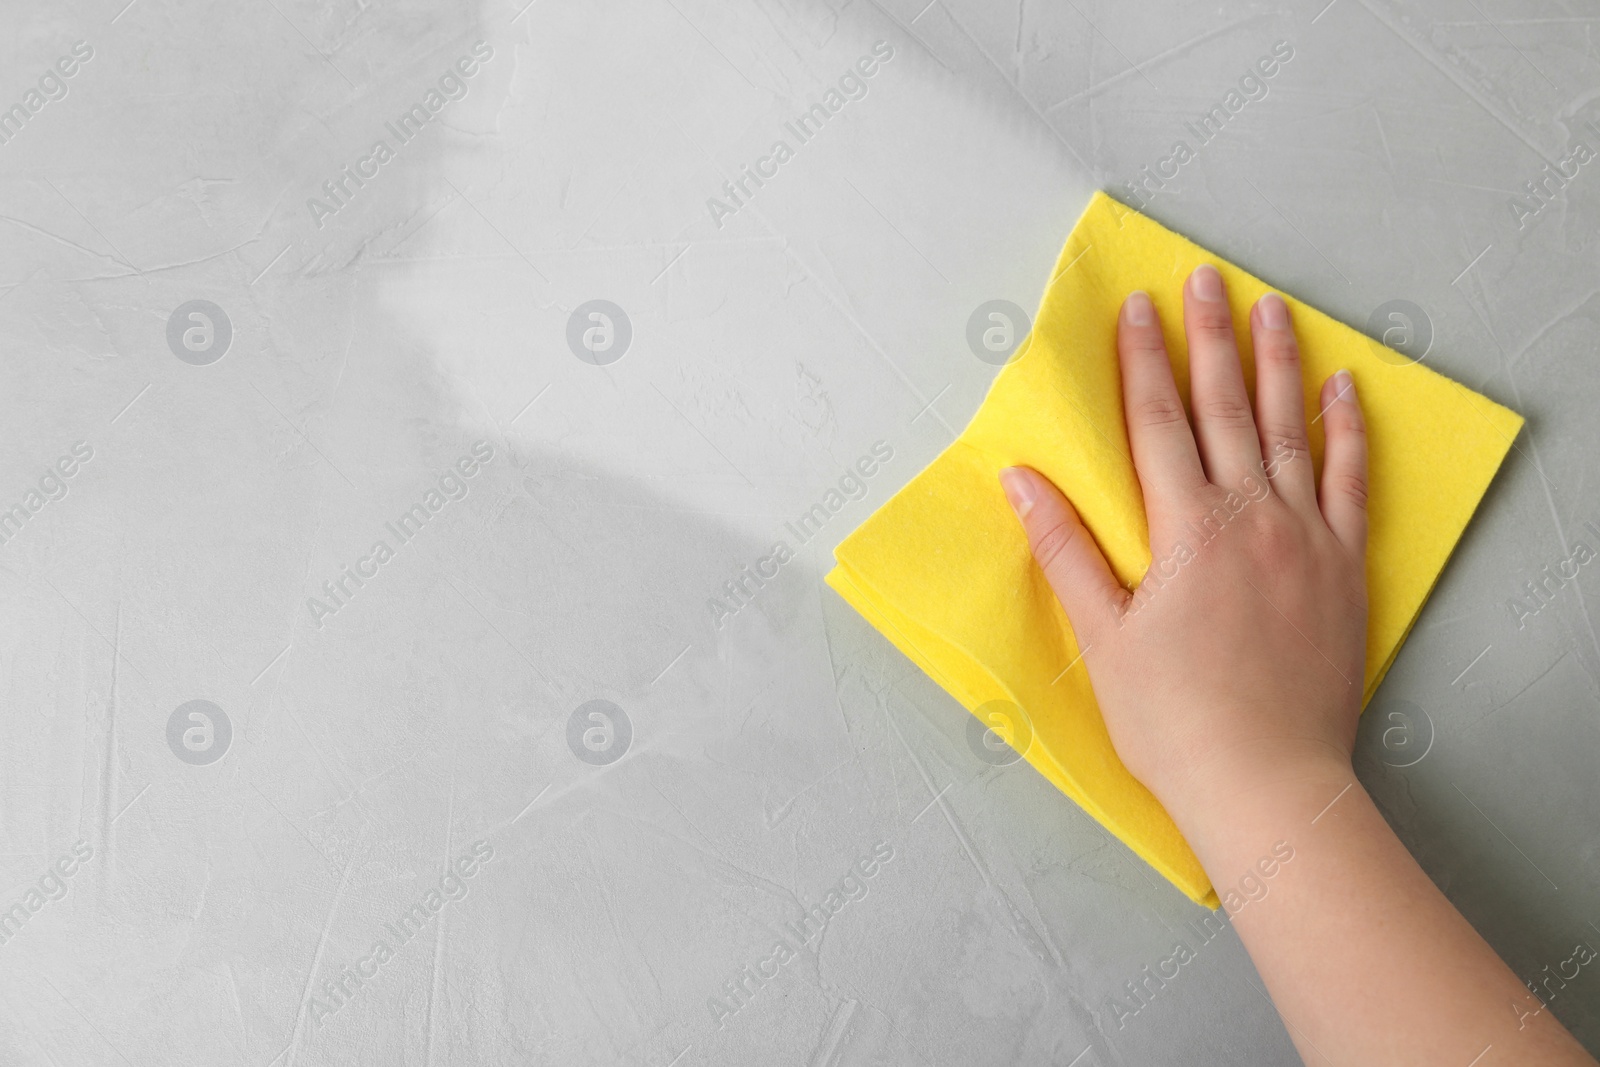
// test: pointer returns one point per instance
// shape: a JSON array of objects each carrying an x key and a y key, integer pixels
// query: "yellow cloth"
[{"x": 943, "y": 568}]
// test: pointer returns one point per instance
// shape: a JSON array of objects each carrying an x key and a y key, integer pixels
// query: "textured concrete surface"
[{"x": 398, "y": 829}]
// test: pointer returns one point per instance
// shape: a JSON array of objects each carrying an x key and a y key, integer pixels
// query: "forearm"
[{"x": 1365, "y": 959}]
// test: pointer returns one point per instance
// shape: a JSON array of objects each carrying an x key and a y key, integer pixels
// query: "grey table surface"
[{"x": 396, "y": 829}]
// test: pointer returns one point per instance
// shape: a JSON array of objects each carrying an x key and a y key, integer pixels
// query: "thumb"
[{"x": 1065, "y": 551}]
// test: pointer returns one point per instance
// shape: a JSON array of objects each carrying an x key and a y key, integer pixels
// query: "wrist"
[{"x": 1268, "y": 786}]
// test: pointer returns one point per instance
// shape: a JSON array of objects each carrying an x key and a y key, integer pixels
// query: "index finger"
[{"x": 1164, "y": 452}]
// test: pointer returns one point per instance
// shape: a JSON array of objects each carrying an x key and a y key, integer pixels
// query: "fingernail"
[
  {"x": 1274, "y": 312},
  {"x": 1138, "y": 309},
  {"x": 1206, "y": 283},
  {"x": 1019, "y": 490},
  {"x": 1344, "y": 386}
]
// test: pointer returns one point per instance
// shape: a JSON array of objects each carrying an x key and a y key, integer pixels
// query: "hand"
[
  {"x": 1239, "y": 658},
  {"x": 1231, "y": 683}
]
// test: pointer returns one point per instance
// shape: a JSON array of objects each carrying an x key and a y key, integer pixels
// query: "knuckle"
[
  {"x": 1050, "y": 547},
  {"x": 1215, "y": 510},
  {"x": 1160, "y": 409},
  {"x": 1276, "y": 543},
  {"x": 1285, "y": 445},
  {"x": 1211, "y": 327},
  {"x": 1279, "y": 352},
  {"x": 1228, "y": 408},
  {"x": 1207, "y": 499},
  {"x": 1353, "y": 487}
]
